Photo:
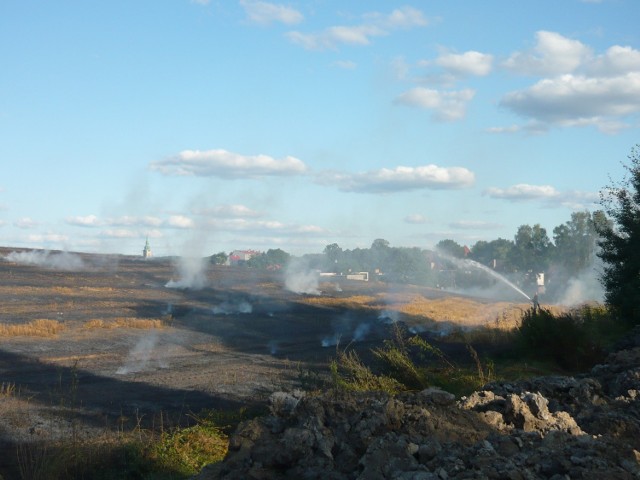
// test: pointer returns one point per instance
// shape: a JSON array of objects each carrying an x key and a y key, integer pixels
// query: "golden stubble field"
[{"x": 110, "y": 340}]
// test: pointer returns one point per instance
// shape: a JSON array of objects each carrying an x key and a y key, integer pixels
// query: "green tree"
[
  {"x": 219, "y": 258},
  {"x": 575, "y": 242},
  {"x": 531, "y": 249},
  {"x": 620, "y": 242},
  {"x": 450, "y": 247},
  {"x": 334, "y": 253},
  {"x": 495, "y": 254},
  {"x": 273, "y": 258}
]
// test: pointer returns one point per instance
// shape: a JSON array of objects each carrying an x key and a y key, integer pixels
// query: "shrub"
[{"x": 573, "y": 340}]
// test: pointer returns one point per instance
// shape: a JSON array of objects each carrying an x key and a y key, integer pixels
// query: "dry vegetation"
[
  {"x": 416, "y": 308},
  {"x": 41, "y": 327},
  {"x": 139, "y": 323}
]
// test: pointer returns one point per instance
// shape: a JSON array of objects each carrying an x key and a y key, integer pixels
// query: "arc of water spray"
[
  {"x": 495, "y": 274},
  {"x": 486, "y": 269}
]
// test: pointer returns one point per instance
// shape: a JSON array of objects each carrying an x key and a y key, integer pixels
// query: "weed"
[
  {"x": 7, "y": 389},
  {"x": 349, "y": 373}
]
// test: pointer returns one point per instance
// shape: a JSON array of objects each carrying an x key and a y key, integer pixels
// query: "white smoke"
[
  {"x": 584, "y": 288},
  {"x": 42, "y": 258},
  {"x": 389, "y": 316},
  {"x": 191, "y": 274},
  {"x": 229, "y": 308},
  {"x": 142, "y": 356},
  {"x": 273, "y": 347},
  {"x": 330, "y": 340},
  {"x": 299, "y": 278},
  {"x": 361, "y": 332}
]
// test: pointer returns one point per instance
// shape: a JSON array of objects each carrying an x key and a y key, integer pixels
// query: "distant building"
[
  {"x": 146, "y": 252},
  {"x": 240, "y": 257}
]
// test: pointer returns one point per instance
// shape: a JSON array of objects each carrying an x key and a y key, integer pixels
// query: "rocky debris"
[{"x": 584, "y": 427}]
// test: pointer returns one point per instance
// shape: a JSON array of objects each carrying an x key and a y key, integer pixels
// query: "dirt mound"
[{"x": 543, "y": 428}]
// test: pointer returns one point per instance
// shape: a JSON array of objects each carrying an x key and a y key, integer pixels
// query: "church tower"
[{"x": 146, "y": 253}]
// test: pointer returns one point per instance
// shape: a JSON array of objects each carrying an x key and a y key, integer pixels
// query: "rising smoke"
[
  {"x": 300, "y": 278},
  {"x": 143, "y": 356},
  {"x": 191, "y": 274},
  {"x": 231, "y": 308},
  {"x": 42, "y": 258}
]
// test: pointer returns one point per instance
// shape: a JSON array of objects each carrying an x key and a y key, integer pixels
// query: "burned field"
[{"x": 111, "y": 341}]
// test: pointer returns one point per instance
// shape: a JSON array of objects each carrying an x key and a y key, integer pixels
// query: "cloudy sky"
[{"x": 212, "y": 125}]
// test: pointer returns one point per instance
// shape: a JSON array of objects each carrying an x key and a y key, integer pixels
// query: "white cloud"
[
  {"x": 446, "y": 105},
  {"x": 180, "y": 221},
  {"x": 403, "y": 17},
  {"x": 84, "y": 221},
  {"x": 553, "y": 54},
  {"x": 579, "y": 89},
  {"x": 400, "y": 179},
  {"x": 577, "y": 201},
  {"x": 224, "y": 164},
  {"x": 264, "y": 13},
  {"x": 615, "y": 61},
  {"x": 415, "y": 219},
  {"x": 523, "y": 191},
  {"x": 261, "y": 227},
  {"x": 509, "y": 129},
  {"x": 551, "y": 197},
  {"x": 571, "y": 100},
  {"x": 375, "y": 25},
  {"x": 470, "y": 63},
  {"x": 25, "y": 223}
]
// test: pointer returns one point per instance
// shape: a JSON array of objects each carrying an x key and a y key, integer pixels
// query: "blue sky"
[{"x": 208, "y": 126}]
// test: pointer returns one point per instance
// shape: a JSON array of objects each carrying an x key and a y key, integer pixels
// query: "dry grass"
[
  {"x": 125, "y": 322},
  {"x": 41, "y": 327},
  {"x": 465, "y": 312},
  {"x": 354, "y": 301}
]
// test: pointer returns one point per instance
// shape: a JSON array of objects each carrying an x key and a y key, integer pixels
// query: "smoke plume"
[
  {"x": 42, "y": 258},
  {"x": 142, "y": 356},
  {"x": 300, "y": 278},
  {"x": 191, "y": 274},
  {"x": 229, "y": 308}
]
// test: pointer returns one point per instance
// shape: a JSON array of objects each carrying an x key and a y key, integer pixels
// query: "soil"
[{"x": 230, "y": 343}]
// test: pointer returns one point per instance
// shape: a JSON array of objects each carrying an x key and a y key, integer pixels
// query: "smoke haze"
[
  {"x": 300, "y": 278},
  {"x": 191, "y": 274},
  {"x": 54, "y": 261}
]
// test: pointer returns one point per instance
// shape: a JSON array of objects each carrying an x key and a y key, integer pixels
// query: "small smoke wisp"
[
  {"x": 42, "y": 258},
  {"x": 331, "y": 340},
  {"x": 389, "y": 316},
  {"x": 191, "y": 274},
  {"x": 361, "y": 332},
  {"x": 142, "y": 356},
  {"x": 230, "y": 308},
  {"x": 273, "y": 347},
  {"x": 301, "y": 279}
]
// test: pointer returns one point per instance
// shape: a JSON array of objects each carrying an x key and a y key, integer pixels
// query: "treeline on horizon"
[{"x": 569, "y": 254}]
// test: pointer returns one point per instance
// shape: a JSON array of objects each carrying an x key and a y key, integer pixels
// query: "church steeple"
[{"x": 146, "y": 253}]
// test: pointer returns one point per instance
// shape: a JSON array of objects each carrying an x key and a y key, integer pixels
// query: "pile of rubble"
[{"x": 585, "y": 427}]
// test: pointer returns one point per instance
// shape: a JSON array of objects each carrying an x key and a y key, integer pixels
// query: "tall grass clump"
[
  {"x": 408, "y": 363},
  {"x": 574, "y": 340}
]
